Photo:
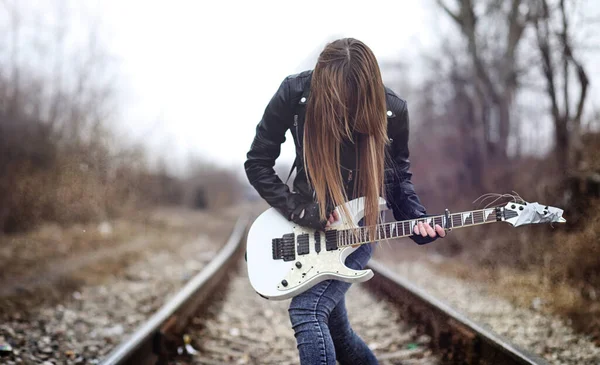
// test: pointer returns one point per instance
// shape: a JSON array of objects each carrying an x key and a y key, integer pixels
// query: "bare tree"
[
  {"x": 558, "y": 59},
  {"x": 494, "y": 63},
  {"x": 56, "y": 96}
]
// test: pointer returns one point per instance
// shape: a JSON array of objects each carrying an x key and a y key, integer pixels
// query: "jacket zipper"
[{"x": 296, "y": 125}]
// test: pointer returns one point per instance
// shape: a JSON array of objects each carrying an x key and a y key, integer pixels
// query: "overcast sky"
[{"x": 198, "y": 74}]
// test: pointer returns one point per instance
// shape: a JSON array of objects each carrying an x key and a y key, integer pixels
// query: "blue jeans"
[{"x": 320, "y": 321}]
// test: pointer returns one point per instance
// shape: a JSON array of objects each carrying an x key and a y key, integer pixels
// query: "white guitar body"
[
  {"x": 278, "y": 279},
  {"x": 285, "y": 260}
]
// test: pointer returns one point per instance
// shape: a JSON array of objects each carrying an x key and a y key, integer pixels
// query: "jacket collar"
[{"x": 306, "y": 92}]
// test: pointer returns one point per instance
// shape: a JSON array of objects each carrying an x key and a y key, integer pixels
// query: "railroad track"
[{"x": 433, "y": 333}]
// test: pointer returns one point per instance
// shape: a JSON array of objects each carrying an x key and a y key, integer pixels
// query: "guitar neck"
[{"x": 386, "y": 231}]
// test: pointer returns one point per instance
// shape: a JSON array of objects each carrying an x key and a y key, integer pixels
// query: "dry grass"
[
  {"x": 48, "y": 263},
  {"x": 558, "y": 265}
]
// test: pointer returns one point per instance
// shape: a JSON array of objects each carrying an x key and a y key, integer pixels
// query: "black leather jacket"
[{"x": 286, "y": 110}]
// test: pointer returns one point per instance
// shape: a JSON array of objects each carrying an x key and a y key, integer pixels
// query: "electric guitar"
[{"x": 285, "y": 260}]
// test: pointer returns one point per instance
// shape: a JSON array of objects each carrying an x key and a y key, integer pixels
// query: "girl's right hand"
[
  {"x": 307, "y": 215},
  {"x": 334, "y": 217}
]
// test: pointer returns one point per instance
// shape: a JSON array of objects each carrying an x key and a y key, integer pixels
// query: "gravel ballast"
[
  {"x": 543, "y": 334},
  {"x": 89, "y": 321},
  {"x": 244, "y": 328}
]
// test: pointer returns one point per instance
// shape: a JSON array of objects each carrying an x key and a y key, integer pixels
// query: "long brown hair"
[{"x": 346, "y": 103}]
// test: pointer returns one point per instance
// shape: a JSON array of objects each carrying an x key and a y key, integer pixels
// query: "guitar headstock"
[{"x": 519, "y": 214}]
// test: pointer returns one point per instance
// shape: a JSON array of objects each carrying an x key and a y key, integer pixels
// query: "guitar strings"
[
  {"x": 361, "y": 235},
  {"x": 514, "y": 197}
]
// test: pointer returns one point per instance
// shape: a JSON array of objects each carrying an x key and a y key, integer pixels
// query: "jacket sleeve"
[
  {"x": 401, "y": 197},
  {"x": 266, "y": 147}
]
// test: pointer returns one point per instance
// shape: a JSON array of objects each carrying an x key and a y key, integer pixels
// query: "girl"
[{"x": 351, "y": 139}]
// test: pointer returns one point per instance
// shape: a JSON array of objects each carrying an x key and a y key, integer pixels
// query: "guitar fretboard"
[{"x": 386, "y": 231}]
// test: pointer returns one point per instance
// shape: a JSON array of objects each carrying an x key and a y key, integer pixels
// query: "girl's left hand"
[{"x": 426, "y": 230}]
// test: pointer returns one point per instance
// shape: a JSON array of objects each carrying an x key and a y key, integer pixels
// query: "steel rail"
[
  {"x": 459, "y": 339},
  {"x": 146, "y": 344}
]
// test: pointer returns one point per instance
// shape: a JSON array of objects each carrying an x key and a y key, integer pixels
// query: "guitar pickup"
[
  {"x": 288, "y": 247},
  {"x": 303, "y": 244},
  {"x": 331, "y": 240}
]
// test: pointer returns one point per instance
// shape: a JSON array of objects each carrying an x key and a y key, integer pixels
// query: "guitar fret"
[
  {"x": 390, "y": 230},
  {"x": 465, "y": 218},
  {"x": 479, "y": 217},
  {"x": 457, "y": 220}
]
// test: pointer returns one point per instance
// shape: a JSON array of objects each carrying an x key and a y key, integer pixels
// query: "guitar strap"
[
  {"x": 291, "y": 170},
  {"x": 296, "y": 112}
]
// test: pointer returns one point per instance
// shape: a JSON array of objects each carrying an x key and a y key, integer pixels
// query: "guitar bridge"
[{"x": 277, "y": 248}]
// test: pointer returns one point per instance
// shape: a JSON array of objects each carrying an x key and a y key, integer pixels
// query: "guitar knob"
[
  {"x": 298, "y": 264},
  {"x": 284, "y": 282}
]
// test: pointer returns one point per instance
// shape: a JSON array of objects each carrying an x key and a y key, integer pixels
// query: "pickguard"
[{"x": 315, "y": 267}]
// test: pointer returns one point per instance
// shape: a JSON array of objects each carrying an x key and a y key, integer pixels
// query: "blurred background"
[{"x": 112, "y": 111}]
